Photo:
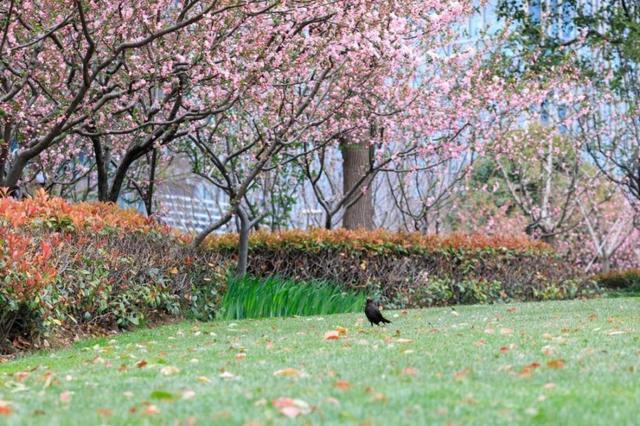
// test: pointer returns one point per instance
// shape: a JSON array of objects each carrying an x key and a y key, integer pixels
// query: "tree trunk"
[
  {"x": 152, "y": 177},
  {"x": 243, "y": 246},
  {"x": 102, "y": 164},
  {"x": 356, "y": 159}
]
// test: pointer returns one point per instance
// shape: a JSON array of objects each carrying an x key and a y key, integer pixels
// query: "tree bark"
[
  {"x": 102, "y": 164},
  {"x": 152, "y": 177},
  {"x": 356, "y": 161},
  {"x": 243, "y": 246}
]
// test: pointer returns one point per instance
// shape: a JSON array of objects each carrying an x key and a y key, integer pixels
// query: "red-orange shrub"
[{"x": 91, "y": 266}]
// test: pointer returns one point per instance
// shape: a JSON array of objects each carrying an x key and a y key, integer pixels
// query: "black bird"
[{"x": 373, "y": 313}]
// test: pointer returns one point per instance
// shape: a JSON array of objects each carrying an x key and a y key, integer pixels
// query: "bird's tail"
[{"x": 386, "y": 320}]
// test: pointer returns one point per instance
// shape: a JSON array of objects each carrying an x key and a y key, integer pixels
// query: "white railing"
[{"x": 190, "y": 214}]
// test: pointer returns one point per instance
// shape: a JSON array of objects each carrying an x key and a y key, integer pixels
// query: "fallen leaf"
[
  {"x": 332, "y": 400},
  {"x": 227, "y": 375},
  {"x": 97, "y": 360},
  {"x": 105, "y": 412},
  {"x": 240, "y": 356},
  {"x": 21, "y": 375},
  {"x": 48, "y": 379},
  {"x": 65, "y": 397},
  {"x": 505, "y": 331},
  {"x": 461, "y": 374},
  {"x": 511, "y": 310},
  {"x": 550, "y": 386},
  {"x": 141, "y": 364},
  {"x": 409, "y": 371},
  {"x": 341, "y": 331},
  {"x": 203, "y": 379},
  {"x": 151, "y": 410},
  {"x": 287, "y": 372},
  {"x": 188, "y": 394},
  {"x": 343, "y": 385},
  {"x": 548, "y": 350},
  {"x": 291, "y": 408},
  {"x": 528, "y": 370},
  {"x": 504, "y": 349},
  {"x": 5, "y": 408},
  {"x": 555, "y": 363},
  {"x": 402, "y": 340},
  {"x": 169, "y": 370},
  {"x": 616, "y": 332},
  {"x": 123, "y": 367},
  {"x": 331, "y": 335},
  {"x": 379, "y": 396}
]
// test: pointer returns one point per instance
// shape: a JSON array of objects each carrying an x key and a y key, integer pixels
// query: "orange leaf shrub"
[
  {"x": 411, "y": 269},
  {"x": 377, "y": 241},
  {"x": 92, "y": 266},
  {"x": 42, "y": 210}
]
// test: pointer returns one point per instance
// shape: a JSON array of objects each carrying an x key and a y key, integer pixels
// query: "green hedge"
[{"x": 412, "y": 270}]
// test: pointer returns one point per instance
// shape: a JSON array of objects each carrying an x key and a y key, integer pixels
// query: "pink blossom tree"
[{"x": 112, "y": 81}]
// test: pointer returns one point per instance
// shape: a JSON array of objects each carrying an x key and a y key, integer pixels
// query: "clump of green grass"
[{"x": 252, "y": 297}]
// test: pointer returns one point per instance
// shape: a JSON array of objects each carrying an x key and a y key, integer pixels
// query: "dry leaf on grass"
[
  {"x": 227, "y": 375},
  {"x": 555, "y": 363},
  {"x": 203, "y": 379},
  {"x": 65, "y": 397},
  {"x": 342, "y": 385},
  {"x": 151, "y": 410},
  {"x": 461, "y": 374},
  {"x": 169, "y": 370},
  {"x": 5, "y": 408},
  {"x": 287, "y": 372},
  {"x": 409, "y": 371},
  {"x": 331, "y": 335},
  {"x": 104, "y": 412},
  {"x": 291, "y": 408},
  {"x": 21, "y": 375}
]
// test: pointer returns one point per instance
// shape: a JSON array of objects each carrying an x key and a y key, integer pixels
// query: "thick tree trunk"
[
  {"x": 4, "y": 150},
  {"x": 102, "y": 163},
  {"x": 356, "y": 159}
]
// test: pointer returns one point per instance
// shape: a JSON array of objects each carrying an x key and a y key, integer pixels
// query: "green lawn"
[{"x": 539, "y": 363}]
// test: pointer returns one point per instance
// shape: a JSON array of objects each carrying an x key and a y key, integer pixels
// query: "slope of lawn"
[{"x": 575, "y": 362}]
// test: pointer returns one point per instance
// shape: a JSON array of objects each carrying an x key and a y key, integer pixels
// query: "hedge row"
[
  {"x": 413, "y": 270},
  {"x": 68, "y": 269},
  {"x": 627, "y": 280}
]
